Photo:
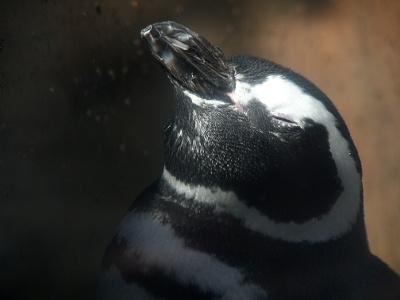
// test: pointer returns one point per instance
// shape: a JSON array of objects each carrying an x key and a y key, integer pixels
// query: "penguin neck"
[{"x": 340, "y": 220}]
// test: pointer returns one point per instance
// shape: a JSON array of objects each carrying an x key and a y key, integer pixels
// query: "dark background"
[{"x": 82, "y": 105}]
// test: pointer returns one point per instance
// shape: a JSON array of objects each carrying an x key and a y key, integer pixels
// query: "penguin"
[{"x": 261, "y": 193}]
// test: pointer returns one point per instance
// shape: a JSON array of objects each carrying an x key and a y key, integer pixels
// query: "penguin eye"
[{"x": 283, "y": 118}]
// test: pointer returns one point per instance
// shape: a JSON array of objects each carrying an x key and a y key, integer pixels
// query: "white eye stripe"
[{"x": 283, "y": 99}]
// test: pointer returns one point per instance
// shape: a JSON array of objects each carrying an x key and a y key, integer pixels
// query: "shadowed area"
[{"x": 82, "y": 105}]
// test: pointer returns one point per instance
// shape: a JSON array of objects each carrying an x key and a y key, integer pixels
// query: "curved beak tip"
[{"x": 145, "y": 31}]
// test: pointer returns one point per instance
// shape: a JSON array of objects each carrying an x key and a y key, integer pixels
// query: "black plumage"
[{"x": 261, "y": 195}]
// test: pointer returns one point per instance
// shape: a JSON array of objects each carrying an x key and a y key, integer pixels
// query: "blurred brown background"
[{"x": 82, "y": 105}]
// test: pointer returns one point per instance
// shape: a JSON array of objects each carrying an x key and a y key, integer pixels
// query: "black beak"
[{"x": 189, "y": 59}]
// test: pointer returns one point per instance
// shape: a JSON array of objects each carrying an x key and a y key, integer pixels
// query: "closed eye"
[{"x": 283, "y": 118}]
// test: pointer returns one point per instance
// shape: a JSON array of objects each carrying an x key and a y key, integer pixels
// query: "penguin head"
[{"x": 257, "y": 130}]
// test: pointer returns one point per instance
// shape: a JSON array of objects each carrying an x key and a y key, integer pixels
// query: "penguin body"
[{"x": 261, "y": 194}]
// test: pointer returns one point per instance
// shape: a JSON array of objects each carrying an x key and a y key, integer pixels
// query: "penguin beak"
[{"x": 190, "y": 60}]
